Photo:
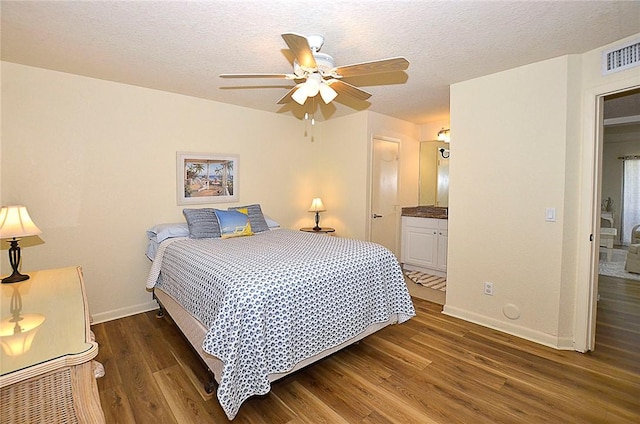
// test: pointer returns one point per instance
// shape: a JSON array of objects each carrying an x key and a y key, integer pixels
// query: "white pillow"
[
  {"x": 161, "y": 232},
  {"x": 271, "y": 223}
]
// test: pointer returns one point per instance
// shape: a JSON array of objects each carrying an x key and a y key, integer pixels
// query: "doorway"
[
  {"x": 616, "y": 320},
  {"x": 384, "y": 193},
  {"x": 589, "y": 251}
]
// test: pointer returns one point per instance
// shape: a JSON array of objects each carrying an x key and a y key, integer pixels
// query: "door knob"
[{"x": 375, "y": 215}]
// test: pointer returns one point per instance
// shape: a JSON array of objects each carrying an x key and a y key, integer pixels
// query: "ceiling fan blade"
[
  {"x": 275, "y": 76},
  {"x": 342, "y": 87},
  {"x": 374, "y": 67},
  {"x": 287, "y": 97},
  {"x": 301, "y": 50}
]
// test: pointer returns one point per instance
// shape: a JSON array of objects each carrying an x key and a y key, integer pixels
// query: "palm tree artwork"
[{"x": 205, "y": 177}]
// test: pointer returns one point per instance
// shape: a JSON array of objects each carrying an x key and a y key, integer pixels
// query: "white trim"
[
  {"x": 589, "y": 211},
  {"x": 124, "y": 312},
  {"x": 562, "y": 343}
]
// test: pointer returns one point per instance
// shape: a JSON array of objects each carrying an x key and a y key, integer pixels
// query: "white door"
[{"x": 384, "y": 194}]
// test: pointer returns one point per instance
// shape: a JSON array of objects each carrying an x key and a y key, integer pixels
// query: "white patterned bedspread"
[{"x": 278, "y": 297}]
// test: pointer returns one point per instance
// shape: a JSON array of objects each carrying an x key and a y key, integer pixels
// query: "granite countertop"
[{"x": 436, "y": 212}]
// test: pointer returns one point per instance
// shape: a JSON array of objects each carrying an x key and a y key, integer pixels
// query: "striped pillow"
[
  {"x": 202, "y": 223},
  {"x": 256, "y": 218}
]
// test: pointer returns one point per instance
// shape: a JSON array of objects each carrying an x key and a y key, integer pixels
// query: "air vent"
[{"x": 622, "y": 58}]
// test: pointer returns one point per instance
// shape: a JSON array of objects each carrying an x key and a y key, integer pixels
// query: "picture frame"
[{"x": 206, "y": 178}]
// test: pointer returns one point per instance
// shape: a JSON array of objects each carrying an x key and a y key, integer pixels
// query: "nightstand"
[
  {"x": 324, "y": 230},
  {"x": 47, "y": 372}
]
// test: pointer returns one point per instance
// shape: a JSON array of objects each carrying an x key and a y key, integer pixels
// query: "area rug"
[
  {"x": 427, "y": 280},
  {"x": 614, "y": 266}
]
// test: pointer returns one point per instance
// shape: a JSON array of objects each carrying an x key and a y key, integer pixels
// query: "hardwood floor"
[{"x": 431, "y": 369}]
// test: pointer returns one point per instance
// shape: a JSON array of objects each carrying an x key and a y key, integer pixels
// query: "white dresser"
[{"x": 47, "y": 372}]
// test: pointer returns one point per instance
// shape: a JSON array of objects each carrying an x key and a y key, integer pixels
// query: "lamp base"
[
  {"x": 15, "y": 278},
  {"x": 317, "y": 227},
  {"x": 14, "y": 260}
]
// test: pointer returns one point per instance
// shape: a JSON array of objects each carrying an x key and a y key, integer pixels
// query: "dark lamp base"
[
  {"x": 14, "y": 260},
  {"x": 15, "y": 278}
]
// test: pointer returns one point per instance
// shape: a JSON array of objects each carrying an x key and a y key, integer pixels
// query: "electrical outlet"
[{"x": 488, "y": 289}]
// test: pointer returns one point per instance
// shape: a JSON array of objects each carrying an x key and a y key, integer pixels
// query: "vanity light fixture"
[
  {"x": 445, "y": 153},
  {"x": 443, "y": 135}
]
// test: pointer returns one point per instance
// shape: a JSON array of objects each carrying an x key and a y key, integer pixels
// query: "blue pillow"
[
  {"x": 234, "y": 223},
  {"x": 202, "y": 223}
]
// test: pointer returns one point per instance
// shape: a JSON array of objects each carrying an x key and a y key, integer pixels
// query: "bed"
[{"x": 259, "y": 307}]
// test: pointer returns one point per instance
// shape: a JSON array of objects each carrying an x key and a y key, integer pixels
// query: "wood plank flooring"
[{"x": 431, "y": 369}]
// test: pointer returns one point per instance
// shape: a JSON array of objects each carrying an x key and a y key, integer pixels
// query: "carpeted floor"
[
  {"x": 614, "y": 266},
  {"x": 426, "y": 280}
]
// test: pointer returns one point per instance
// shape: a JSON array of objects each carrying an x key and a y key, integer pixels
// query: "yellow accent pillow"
[{"x": 234, "y": 223}]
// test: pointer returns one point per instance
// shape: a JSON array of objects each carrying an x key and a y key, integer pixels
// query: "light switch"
[{"x": 550, "y": 215}]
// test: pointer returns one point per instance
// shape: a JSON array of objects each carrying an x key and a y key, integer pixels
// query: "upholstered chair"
[
  {"x": 635, "y": 234},
  {"x": 633, "y": 259}
]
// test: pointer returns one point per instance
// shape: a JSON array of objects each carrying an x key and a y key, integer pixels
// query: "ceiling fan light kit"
[{"x": 316, "y": 73}]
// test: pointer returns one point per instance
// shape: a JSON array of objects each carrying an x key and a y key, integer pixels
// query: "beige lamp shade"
[
  {"x": 15, "y": 222},
  {"x": 317, "y": 205}
]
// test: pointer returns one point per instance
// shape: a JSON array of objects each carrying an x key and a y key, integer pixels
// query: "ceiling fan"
[{"x": 315, "y": 72}]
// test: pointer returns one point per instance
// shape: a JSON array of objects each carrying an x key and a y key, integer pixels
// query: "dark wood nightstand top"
[{"x": 323, "y": 230}]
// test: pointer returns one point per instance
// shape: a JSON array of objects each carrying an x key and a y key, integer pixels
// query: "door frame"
[
  {"x": 369, "y": 219},
  {"x": 586, "y": 301}
]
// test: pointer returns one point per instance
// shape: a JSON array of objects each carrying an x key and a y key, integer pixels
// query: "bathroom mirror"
[{"x": 434, "y": 174}]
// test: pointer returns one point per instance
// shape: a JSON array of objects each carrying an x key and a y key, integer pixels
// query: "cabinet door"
[
  {"x": 443, "y": 240},
  {"x": 420, "y": 246}
]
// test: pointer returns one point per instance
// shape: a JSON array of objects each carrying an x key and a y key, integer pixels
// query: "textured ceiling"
[{"x": 182, "y": 47}]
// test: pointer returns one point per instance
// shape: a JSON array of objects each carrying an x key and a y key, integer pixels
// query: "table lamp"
[
  {"x": 317, "y": 207},
  {"x": 15, "y": 223}
]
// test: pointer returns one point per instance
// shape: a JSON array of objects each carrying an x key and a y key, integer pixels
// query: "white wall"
[{"x": 95, "y": 163}]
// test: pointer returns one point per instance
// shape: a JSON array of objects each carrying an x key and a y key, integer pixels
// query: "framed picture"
[{"x": 206, "y": 178}]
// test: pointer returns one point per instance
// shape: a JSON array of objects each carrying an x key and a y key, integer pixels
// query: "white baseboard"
[
  {"x": 560, "y": 343},
  {"x": 124, "y": 312}
]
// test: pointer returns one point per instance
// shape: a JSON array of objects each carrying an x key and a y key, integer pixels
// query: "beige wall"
[
  {"x": 525, "y": 141},
  {"x": 95, "y": 163},
  {"x": 343, "y": 167},
  {"x": 342, "y": 174},
  {"x": 507, "y": 166},
  {"x": 429, "y": 131}
]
